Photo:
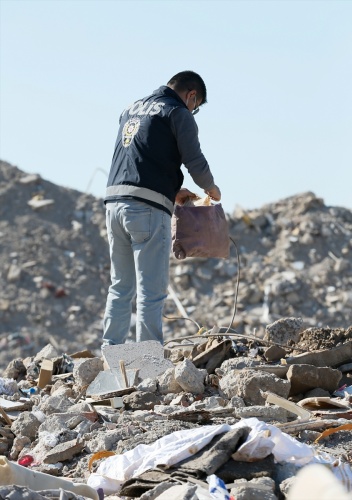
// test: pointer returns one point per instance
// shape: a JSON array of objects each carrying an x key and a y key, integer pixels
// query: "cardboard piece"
[
  {"x": 46, "y": 371},
  {"x": 5, "y": 416}
]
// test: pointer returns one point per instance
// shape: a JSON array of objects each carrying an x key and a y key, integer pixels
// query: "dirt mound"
[{"x": 324, "y": 338}]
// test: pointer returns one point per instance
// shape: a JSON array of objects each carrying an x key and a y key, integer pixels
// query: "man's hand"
[
  {"x": 183, "y": 195},
  {"x": 214, "y": 193}
]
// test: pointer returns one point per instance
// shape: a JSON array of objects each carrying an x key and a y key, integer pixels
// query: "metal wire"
[{"x": 235, "y": 302}]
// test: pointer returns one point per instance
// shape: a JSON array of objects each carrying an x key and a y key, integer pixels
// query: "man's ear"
[{"x": 191, "y": 93}]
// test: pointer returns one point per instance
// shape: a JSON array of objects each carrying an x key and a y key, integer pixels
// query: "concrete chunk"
[
  {"x": 140, "y": 401},
  {"x": 64, "y": 451},
  {"x": 284, "y": 330},
  {"x": 263, "y": 488},
  {"x": 236, "y": 364},
  {"x": 48, "y": 352},
  {"x": 328, "y": 357},
  {"x": 86, "y": 369},
  {"x": 26, "y": 424},
  {"x": 55, "y": 404},
  {"x": 303, "y": 378},
  {"x": 190, "y": 378},
  {"x": 274, "y": 353},
  {"x": 248, "y": 383},
  {"x": 167, "y": 383},
  {"x": 147, "y": 357},
  {"x": 14, "y": 273}
]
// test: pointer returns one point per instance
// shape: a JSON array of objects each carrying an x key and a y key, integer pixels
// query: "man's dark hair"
[{"x": 189, "y": 80}]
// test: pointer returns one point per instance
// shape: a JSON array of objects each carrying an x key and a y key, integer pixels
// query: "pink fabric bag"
[{"x": 200, "y": 231}]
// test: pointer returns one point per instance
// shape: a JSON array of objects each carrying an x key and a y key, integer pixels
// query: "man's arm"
[{"x": 186, "y": 133}]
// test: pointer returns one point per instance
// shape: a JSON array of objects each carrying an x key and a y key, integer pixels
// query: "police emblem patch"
[{"x": 129, "y": 131}]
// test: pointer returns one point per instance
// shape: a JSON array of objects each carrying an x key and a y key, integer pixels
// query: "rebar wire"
[
  {"x": 98, "y": 169},
  {"x": 184, "y": 318},
  {"x": 180, "y": 307},
  {"x": 237, "y": 335},
  {"x": 237, "y": 285},
  {"x": 235, "y": 303},
  {"x": 208, "y": 334}
]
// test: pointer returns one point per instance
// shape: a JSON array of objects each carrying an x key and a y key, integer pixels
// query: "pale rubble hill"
[
  {"x": 295, "y": 259},
  {"x": 54, "y": 269}
]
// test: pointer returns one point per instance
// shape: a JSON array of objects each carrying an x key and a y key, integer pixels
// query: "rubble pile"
[
  {"x": 139, "y": 420},
  {"x": 295, "y": 260},
  {"x": 54, "y": 265},
  {"x": 253, "y": 389}
]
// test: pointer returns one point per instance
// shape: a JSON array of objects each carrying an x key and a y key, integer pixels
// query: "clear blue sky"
[{"x": 279, "y": 76}]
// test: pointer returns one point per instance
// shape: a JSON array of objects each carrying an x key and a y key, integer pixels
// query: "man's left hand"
[{"x": 183, "y": 195}]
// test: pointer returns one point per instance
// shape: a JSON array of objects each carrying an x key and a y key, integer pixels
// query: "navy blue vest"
[{"x": 146, "y": 153}]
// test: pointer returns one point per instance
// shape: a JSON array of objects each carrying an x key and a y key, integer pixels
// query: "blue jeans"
[{"x": 140, "y": 243}]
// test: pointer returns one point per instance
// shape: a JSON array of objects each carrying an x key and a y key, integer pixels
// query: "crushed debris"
[{"x": 234, "y": 408}]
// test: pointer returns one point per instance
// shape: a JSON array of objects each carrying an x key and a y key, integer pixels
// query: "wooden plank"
[{"x": 5, "y": 416}]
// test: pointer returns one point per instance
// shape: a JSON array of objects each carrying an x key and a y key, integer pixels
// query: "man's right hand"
[{"x": 214, "y": 193}]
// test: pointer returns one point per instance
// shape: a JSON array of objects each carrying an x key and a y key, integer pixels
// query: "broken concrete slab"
[
  {"x": 8, "y": 405},
  {"x": 57, "y": 403},
  {"x": 64, "y": 451},
  {"x": 303, "y": 378},
  {"x": 109, "y": 383},
  {"x": 264, "y": 413},
  {"x": 106, "y": 439},
  {"x": 147, "y": 385},
  {"x": 147, "y": 357},
  {"x": 19, "y": 443},
  {"x": 327, "y": 357},
  {"x": 236, "y": 402}
]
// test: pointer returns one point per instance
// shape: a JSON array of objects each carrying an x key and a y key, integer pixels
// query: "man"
[{"x": 156, "y": 136}]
